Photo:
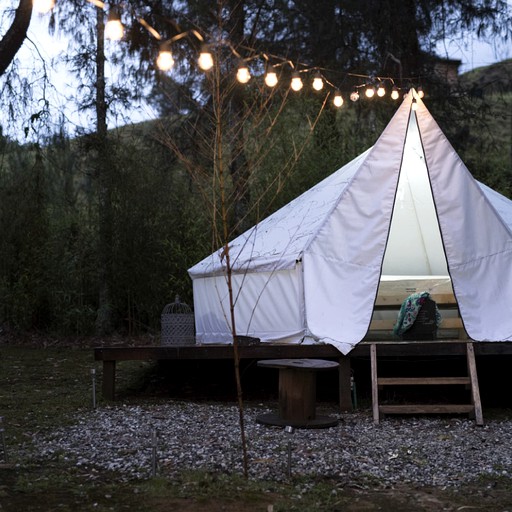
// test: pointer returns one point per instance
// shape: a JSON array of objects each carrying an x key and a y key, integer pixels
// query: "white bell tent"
[{"x": 407, "y": 208}]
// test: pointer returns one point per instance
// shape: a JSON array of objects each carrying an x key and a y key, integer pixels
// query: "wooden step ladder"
[{"x": 474, "y": 409}]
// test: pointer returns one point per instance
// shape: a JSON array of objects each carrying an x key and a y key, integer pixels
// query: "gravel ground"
[{"x": 443, "y": 452}]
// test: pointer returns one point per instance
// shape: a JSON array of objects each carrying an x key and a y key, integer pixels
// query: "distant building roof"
[{"x": 447, "y": 69}]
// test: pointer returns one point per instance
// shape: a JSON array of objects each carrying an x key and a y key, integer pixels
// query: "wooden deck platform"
[
  {"x": 451, "y": 340},
  {"x": 111, "y": 355}
]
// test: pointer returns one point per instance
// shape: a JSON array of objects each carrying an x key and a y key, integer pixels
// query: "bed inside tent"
[{"x": 405, "y": 216}]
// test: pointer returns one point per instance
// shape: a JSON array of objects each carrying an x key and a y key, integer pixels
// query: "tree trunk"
[
  {"x": 14, "y": 37},
  {"x": 103, "y": 173},
  {"x": 239, "y": 167}
]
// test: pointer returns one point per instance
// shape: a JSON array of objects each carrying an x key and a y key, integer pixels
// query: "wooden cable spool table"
[{"x": 297, "y": 393}]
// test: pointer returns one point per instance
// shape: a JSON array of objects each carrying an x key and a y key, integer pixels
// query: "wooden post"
[
  {"x": 109, "y": 380},
  {"x": 344, "y": 384},
  {"x": 375, "y": 385},
  {"x": 475, "y": 390}
]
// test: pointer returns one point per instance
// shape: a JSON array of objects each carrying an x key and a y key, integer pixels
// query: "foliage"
[
  {"x": 48, "y": 217},
  {"x": 477, "y": 119},
  {"x": 161, "y": 213},
  {"x": 24, "y": 227}
]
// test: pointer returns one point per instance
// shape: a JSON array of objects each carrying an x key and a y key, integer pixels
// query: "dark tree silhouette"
[{"x": 15, "y": 35}]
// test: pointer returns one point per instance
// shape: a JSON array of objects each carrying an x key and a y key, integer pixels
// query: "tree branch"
[{"x": 14, "y": 37}]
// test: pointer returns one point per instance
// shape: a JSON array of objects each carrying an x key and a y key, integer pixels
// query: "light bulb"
[
  {"x": 242, "y": 74},
  {"x": 414, "y": 105},
  {"x": 318, "y": 82},
  {"x": 296, "y": 83},
  {"x": 271, "y": 77},
  {"x": 114, "y": 28},
  {"x": 205, "y": 60},
  {"x": 338, "y": 99},
  {"x": 354, "y": 95},
  {"x": 165, "y": 60},
  {"x": 381, "y": 91},
  {"x": 394, "y": 93},
  {"x": 43, "y": 6},
  {"x": 421, "y": 93},
  {"x": 370, "y": 91}
]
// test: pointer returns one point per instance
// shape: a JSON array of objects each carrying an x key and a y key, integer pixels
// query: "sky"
[
  {"x": 469, "y": 50},
  {"x": 41, "y": 46},
  {"x": 474, "y": 53}
]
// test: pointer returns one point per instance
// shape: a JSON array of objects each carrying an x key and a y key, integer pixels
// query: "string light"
[
  {"x": 243, "y": 75},
  {"x": 271, "y": 77},
  {"x": 338, "y": 99},
  {"x": 205, "y": 60},
  {"x": 370, "y": 91},
  {"x": 296, "y": 83},
  {"x": 114, "y": 29},
  {"x": 318, "y": 82},
  {"x": 43, "y": 6},
  {"x": 165, "y": 59}
]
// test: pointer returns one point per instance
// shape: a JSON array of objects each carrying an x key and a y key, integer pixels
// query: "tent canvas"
[{"x": 408, "y": 206}]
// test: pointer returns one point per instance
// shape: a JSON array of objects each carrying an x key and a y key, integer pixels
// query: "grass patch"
[{"x": 41, "y": 388}]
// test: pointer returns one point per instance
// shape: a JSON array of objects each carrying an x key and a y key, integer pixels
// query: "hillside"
[{"x": 496, "y": 78}]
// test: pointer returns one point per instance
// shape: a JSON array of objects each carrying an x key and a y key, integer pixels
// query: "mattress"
[{"x": 406, "y": 285}]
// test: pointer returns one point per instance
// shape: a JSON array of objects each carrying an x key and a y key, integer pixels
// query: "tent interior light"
[
  {"x": 414, "y": 105},
  {"x": 296, "y": 83},
  {"x": 318, "y": 82},
  {"x": 205, "y": 60},
  {"x": 43, "y": 6},
  {"x": 271, "y": 77},
  {"x": 338, "y": 99},
  {"x": 114, "y": 29},
  {"x": 243, "y": 75}
]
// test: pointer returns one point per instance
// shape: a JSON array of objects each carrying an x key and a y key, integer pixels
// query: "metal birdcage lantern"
[{"x": 177, "y": 324}]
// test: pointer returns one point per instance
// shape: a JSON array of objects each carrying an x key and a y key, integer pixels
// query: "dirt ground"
[
  {"x": 396, "y": 500},
  {"x": 400, "y": 499}
]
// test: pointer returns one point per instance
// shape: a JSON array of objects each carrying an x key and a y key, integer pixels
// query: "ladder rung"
[
  {"x": 426, "y": 408},
  {"x": 419, "y": 381}
]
